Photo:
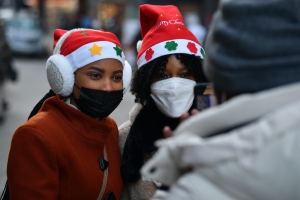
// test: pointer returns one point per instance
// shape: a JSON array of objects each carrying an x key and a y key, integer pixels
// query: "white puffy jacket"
[{"x": 257, "y": 158}]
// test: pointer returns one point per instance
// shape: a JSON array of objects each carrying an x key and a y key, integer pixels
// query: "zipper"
[{"x": 104, "y": 177}]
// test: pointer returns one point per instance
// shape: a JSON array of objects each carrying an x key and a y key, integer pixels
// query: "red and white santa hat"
[
  {"x": 78, "y": 47},
  {"x": 164, "y": 32}
]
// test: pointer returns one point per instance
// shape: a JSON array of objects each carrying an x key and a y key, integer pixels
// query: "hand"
[{"x": 167, "y": 132}]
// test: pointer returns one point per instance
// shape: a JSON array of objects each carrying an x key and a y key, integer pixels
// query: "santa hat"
[
  {"x": 78, "y": 47},
  {"x": 163, "y": 32}
]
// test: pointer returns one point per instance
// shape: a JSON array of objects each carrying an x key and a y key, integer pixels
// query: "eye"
[
  {"x": 94, "y": 75},
  {"x": 163, "y": 76},
  {"x": 118, "y": 78},
  {"x": 185, "y": 75}
]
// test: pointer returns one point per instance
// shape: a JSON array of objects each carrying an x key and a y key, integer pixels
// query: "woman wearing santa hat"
[
  {"x": 169, "y": 65},
  {"x": 69, "y": 149}
]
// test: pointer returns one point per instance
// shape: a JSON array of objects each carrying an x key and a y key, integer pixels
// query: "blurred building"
[
  {"x": 106, "y": 14},
  {"x": 121, "y": 17},
  {"x": 117, "y": 16}
]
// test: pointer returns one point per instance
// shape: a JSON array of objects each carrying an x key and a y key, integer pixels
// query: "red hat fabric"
[
  {"x": 86, "y": 46},
  {"x": 164, "y": 32},
  {"x": 76, "y": 48}
]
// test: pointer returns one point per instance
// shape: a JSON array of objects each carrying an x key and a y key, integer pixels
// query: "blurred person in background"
[
  {"x": 194, "y": 25},
  {"x": 86, "y": 21},
  {"x": 246, "y": 147},
  {"x": 69, "y": 148},
  {"x": 113, "y": 25},
  {"x": 132, "y": 49},
  {"x": 64, "y": 21},
  {"x": 169, "y": 65},
  {"x": 7, "y": 71}
]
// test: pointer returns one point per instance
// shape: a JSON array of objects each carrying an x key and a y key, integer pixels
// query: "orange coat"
[{"x": 55, "y": 155}]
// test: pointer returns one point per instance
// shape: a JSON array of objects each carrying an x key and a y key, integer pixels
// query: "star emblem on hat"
[
  {"x": 95, "y": 49},
  {"x": 118, "y": 51}
]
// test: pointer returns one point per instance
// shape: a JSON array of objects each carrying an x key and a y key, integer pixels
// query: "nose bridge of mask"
[
  {"x": 172, "y": 84},
  {"x": 94, "y": 96}
]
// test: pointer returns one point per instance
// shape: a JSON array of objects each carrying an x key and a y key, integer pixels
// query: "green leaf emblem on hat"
[
  {"x": 84, "y": 33},
  {"x": 202, "y": 52},
  {"x": 118, "y": 51},
  {"x": 171, "y": 46}
]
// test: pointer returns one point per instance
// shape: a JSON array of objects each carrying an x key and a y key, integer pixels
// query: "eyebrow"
[
  {"x": 181, "y": 69},
  {"x": 118, "y": 71},
  {"x": 102, "y": 71}
]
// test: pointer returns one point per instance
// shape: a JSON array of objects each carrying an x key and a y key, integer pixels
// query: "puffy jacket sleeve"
[{"x": 32, "y": 169}]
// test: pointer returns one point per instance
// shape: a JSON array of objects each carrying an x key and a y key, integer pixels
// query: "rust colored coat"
[{"x": 55, "y": 155}]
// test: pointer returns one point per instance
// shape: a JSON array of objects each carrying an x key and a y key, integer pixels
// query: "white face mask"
[{"x": 173, "y": 96}]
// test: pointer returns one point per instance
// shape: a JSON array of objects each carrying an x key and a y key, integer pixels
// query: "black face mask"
[{"x": 98, "y": 103}]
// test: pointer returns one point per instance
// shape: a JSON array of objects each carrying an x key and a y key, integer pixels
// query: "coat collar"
[
  {"x": 90, "y": 128},
  {"x": 239, "y": 110}
]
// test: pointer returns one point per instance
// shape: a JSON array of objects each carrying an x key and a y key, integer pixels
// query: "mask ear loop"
[
  {"x": 77, "y": 87},
  {"x": 72, "y": 94}
]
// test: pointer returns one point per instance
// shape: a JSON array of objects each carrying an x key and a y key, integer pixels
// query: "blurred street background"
[{"x": 28, "y": 27}]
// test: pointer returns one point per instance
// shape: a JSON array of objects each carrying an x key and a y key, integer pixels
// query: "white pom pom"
[
  {"x": 127, "y": 74},
  {"x": 138, "y": 45}
]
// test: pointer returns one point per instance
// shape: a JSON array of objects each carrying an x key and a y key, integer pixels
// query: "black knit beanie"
[{"x": 253, "y": 45}]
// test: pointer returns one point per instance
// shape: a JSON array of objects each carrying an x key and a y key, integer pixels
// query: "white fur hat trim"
[
  {"x": 138, "y": 45},
  {"x": 82, "y": 56},
  {"x": 159, "y": 50},
  {"x": 127, "y": 74}
]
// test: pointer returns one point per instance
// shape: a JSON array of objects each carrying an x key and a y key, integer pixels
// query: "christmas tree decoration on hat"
[
  {"x": 78, "y": 47},
  {"x": 164, "y": 32}
]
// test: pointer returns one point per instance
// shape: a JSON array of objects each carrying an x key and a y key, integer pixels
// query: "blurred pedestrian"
[
  {"x": 247, "y": 147},
  {"x": 194, "y": 25},
  {"x": 169, "y": 65},
  {"x": 7, "y": 71},
  {"x": 86, "y": 21},
  {"x": 69, "y": 149}
]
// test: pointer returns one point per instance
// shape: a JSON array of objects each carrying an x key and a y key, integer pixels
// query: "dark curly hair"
[{"x": 143, "y": 77}]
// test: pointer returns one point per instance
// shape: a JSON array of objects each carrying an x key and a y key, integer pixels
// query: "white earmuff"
[{"x": 60, "y": 75}]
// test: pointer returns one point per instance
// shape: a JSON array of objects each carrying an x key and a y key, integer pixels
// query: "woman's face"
[
  {"x": 103, "y": 75},
  {"x": 174, "y": 68}
]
